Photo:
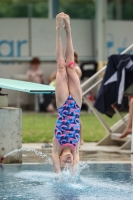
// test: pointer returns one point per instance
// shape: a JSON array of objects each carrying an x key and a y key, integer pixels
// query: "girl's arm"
[
  {"x": 76, "y": 159},
  {"x": 78, "y": 71},
  {"x": 76, "y": 156},
  {"x": 55, "y": 157},
  {"x": 56, "y": 163}
]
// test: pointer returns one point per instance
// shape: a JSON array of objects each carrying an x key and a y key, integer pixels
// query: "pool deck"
[
  {"x": 91, "y": 147},
  {"x": 90, "y": 152}
]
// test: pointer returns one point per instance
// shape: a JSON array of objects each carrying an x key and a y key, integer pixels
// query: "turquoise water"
[{"x": 91, "y": 182}]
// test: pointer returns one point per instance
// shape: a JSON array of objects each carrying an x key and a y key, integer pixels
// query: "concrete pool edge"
[
  {"x": 91, "y": 150},
  {"x": 91, "y": 147}
]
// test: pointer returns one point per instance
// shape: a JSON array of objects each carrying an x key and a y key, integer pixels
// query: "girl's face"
[{"x": 66, "y": 159}]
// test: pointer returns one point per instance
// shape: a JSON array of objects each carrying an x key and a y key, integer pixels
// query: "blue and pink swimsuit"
[{"x": 67, "y": 130}]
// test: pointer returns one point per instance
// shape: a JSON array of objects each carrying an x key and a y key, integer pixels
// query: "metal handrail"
[
  {"x": 97, "y": 114},
  {"x": 101, "y": 70},
  {"x": 93, "y": 77},
  {"x": 95, "y": 84}
]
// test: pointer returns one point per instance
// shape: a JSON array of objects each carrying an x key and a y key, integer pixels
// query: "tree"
[
  {"x": 83, "y": 9},
  {"x": 17, "y": 8}
]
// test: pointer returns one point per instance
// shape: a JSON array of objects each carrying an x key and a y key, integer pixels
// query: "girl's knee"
[
  {"x": 61, "y": 73},
  {"x": 61, "y": 65},
  {"x": 70, "y": 65}
]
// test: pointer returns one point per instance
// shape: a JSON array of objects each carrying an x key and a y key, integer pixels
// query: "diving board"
[{"x": 25, "y": 86}]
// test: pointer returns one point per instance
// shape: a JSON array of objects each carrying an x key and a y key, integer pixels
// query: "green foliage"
[
  {"x": 17, "y": 8},
  {"x": 20, "y": 2},
  {"x": 13, "y": 11},
  {"x": 78, "y": 9},
  {"x": 76, "y": 2},
  {"x": 84, "y": 9},
  {"x": 40, "y": 10},
  {"x": 127, "y": 12},
  {"x": 126, "y": 9},
  {"x": 75, "y": 11}
]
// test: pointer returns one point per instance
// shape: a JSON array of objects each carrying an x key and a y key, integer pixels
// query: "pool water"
[{"x": 90, "y": 182}]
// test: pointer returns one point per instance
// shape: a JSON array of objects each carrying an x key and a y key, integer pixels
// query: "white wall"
[
  {"x": 14, "y": 42},
  {"x": 43, "y": 37},
  {"x": 13, "y": 37},
  {"x": 119, "y": 35}
]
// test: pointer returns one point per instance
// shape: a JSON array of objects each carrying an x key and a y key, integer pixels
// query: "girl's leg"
[
  {"x": 73, "y": 79},
  {"x": 128, "y": 129},
  {"x": 61, "y": 77}
]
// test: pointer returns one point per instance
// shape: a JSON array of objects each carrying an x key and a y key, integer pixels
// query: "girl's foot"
[
  {"x": 66, "y": 22},
  {"x": 59, "y": 20},
  {"x": 126, "y": 132}
]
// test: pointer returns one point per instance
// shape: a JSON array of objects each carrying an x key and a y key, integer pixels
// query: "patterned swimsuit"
[{"x": 67, "y": 130}]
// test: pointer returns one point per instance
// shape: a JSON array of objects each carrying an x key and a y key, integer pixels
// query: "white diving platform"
[{"x": 25, "y": 86}]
